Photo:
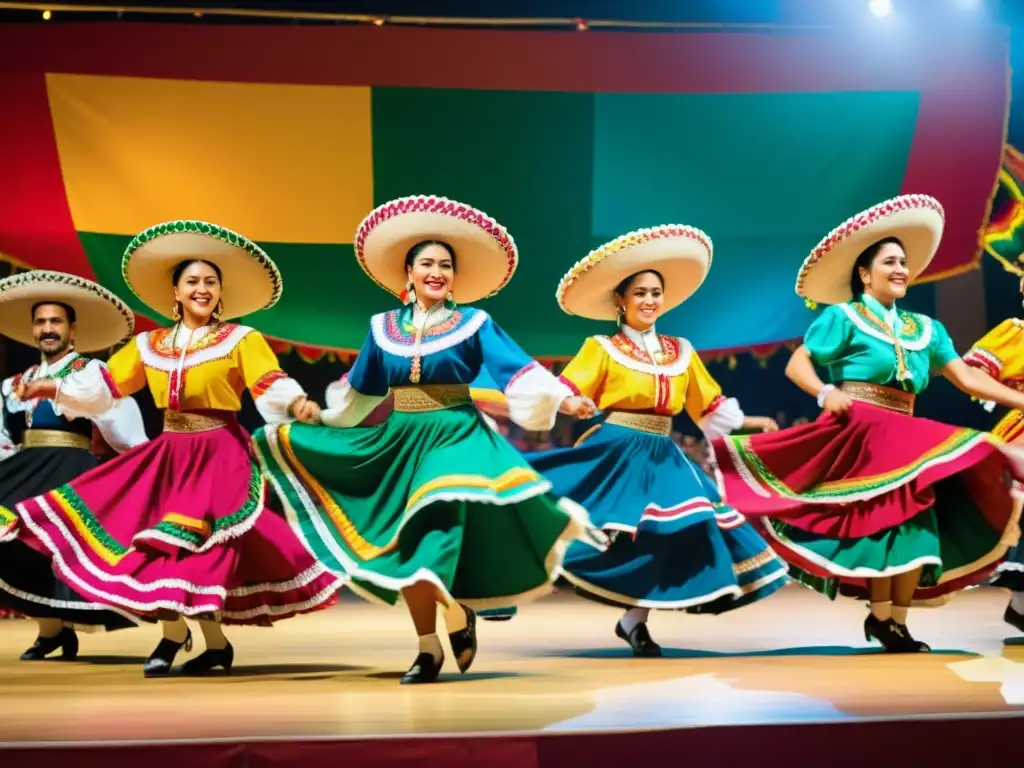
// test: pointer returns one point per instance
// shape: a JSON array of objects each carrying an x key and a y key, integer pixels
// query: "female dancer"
[
  {"x": 675, "y": 545},
  {"x": 177, "y": 527},
  {"x": 869, "y": 500},
  {"x": 1000, "y": 354},
  {"x": 432, "y": 503}
]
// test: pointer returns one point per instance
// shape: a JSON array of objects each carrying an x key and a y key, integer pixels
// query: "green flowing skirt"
[{"x": 436, "y": 496}]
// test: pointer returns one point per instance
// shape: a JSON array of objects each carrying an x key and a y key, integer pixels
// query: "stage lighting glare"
[{"x": 880, "y": 8}]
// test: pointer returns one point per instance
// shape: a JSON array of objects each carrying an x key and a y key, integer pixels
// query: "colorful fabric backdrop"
[{"x": 292, "y": 134}]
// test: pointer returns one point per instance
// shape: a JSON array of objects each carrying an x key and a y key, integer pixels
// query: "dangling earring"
[
  {"x": 176, "y": 312},
  {"x": 621, "y": 318},
  {"x": 408, "y": 296},
  {"x": 449, "y": 301},
  {"x": 218, "y": 310}
]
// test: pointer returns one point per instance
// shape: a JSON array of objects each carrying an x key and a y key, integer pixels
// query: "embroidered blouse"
[
  {"x": 455, "y": 345},
  {"x": 862, "y": 341},
  {"x": 1000, "y": 354},
  {"x": 207, "y": 370},
  {"x": 623, "y": 373},
  {"x": 120, "y": 424}
]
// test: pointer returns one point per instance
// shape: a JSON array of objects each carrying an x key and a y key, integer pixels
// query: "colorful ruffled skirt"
[
  {"x": 28, "y": 585},
  {"x": 675, "y": 545},
  {"x": 431, "y": 496},
  {"x": 178, "y": 526},
  {"x": 878, "y": 494},
  {"x": 1010, "y": 573}
]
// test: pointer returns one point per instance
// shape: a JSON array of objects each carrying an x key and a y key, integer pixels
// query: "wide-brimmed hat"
[
  {"x": 251, "y": 280},
  {"x": 485, "y": 253},
  {"x": 917, "y": 220},
  {"x": 103, "y": 320},
  {"x": 682, "y": 255}
]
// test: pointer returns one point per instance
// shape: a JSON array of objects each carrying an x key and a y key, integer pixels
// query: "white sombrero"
[
  {"x": 251, "y": 279},
  {"x": 103, "y": 320},
  {"x": 917, "y": 220},
  {"x": 485, "y": 253},
  {"x": 680, "y": 253}
]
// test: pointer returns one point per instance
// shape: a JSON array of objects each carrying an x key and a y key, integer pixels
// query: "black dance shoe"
[
  {"x": 424, "y": 670},
  {"x": 66, "y": 640},
  {"x": 1011, "y": 617},
  {"x": 208, "y": 660},
  {"x": 162, "y": 659},
  {"x": 895, "y": 638},
  {"x": 639, "y": 640},
  {"x": 464, "y": 642}
]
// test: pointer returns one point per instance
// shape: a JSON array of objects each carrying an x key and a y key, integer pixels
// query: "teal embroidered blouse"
[{"x": 863, "y": 341}]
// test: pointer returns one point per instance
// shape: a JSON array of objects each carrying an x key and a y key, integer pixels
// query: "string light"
[
  {"x": 47, "y": 15},
  {"x": 880, "y": 8},
  {"x": 581, "y": 25}
]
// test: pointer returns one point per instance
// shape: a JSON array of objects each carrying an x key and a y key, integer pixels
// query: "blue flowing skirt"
[{"x": 676, "y": 546}]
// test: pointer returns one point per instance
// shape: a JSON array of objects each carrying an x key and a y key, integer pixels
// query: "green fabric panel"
[
  {"x": 327, "y": 299},
  {"x": 523, "y": 157},
  {"x": 765, "y": 175}
]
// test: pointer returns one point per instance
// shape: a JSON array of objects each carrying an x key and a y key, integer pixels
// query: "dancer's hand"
[
  {"x": 837, "y": 403},
  {"x": 764, "y": 423},
  {"x": 579, "y": 406},
  {"x": 305, "y": 410},
  {"x": 35, "y": 390}
]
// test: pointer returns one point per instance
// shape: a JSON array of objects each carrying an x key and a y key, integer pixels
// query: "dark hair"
[
  {"x": 621, "y": 288},
  {"x": 421, "y": 246},
  {"x": 181, "y": 266},
  {"x": 867, "y": 256},
  {"x": 68, "y": 309}
]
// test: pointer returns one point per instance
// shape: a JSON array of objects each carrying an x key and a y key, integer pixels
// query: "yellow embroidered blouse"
[
  {"x": 210, "y": 373},
  {"x": 1000, "y": 353},
  {"x": 620, "y": 375}
]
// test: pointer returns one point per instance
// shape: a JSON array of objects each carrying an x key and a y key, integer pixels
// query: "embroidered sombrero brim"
[
  {"x": 103, "y": 320},
  {"x": 917, "y": 220},
  {"x": 251, "y": 280},
  {"x": 485, "y": 253},
  {"x": 680, "y": 253}
]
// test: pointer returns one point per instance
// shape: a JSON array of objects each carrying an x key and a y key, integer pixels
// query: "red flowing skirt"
[{"x": 178, "y": 525}]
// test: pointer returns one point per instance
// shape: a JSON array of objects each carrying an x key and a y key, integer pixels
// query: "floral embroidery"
[
  {"x": 399, "y": 328},
  {"x": 669, "y": 348},
  {"x": 265, "y": 382},
  {"x": 161, "y": 340}
]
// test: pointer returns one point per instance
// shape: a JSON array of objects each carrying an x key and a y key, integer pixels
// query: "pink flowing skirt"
[{"x": 178, "y": 525}]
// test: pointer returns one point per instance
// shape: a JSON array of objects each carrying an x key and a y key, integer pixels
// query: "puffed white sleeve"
[
  {"x": 356, "y": 395},
  {"x": 121, "y": 425}
]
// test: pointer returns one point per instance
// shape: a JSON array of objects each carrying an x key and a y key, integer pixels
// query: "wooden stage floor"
[{"x": 555, "y": 668}]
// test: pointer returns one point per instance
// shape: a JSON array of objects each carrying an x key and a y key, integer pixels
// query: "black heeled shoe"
[
  {"x": 209, "y": 660},
  {"x": 895, "y": 638},
  {"x": 1014, "y": 619},
  {"x": 463, "y": 642},
  {"x": 424, "y": 670},
  {"x": 66, "y": 640},
  {"x": 639, "y": 640},
  {"x": 162, "y": 659}
]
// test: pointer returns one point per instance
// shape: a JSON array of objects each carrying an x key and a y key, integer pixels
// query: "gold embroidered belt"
[
  {"x": 433, "y": 397},
  {"x": 884, "y": 397},
  {"x": 189, "y": 422},
  {"x": 54, "y": 438},
  {"x": 645, "y": 422}
]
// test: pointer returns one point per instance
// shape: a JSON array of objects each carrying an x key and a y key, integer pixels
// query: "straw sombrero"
[
  {"x": 485, "y": 253},
  {"x": 103, "y": 319},
  {"x": 251, "y": 280},
  {"x": 680, "y": 253},
  {"x": 917, "y": 220}
]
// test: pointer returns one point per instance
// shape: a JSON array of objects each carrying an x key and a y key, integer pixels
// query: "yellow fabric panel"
[
  {"x": 701, "y": 388},
  {"x": 126, "y": 369},
  {"x": 279, "y": 163},
  {"x": 255, "y": 358},
  {"x": 621, "y": 388}
]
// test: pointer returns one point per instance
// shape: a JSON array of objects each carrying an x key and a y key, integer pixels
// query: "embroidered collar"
[
  {"x": 400, "y": 324},
  {"x": 890, "y": 315},
  {"x": 647, "y": 340},
  {"x": 47, "y": 370},
  {"x": 646, "y": 346},
  {"x": 162, "y": 341},
  {"x": 430, "y": 318}
]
